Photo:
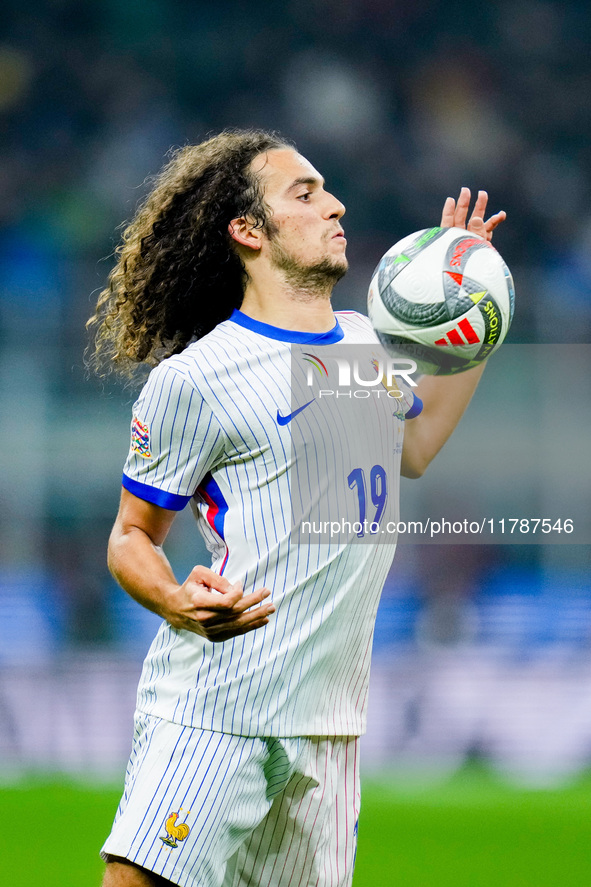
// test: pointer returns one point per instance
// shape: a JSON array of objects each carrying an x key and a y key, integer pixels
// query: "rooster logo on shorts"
[{"x": 174, "y": 832}]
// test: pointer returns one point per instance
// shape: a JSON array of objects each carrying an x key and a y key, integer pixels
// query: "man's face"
[{"x": 304, "y": 235}]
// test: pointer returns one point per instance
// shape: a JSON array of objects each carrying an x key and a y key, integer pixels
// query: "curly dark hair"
[{"x": 176, "y": 275}]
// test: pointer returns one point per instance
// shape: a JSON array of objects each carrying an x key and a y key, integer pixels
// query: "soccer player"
[{"x": 245, "y": 767}]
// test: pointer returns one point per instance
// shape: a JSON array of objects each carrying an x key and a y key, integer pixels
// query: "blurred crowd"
[{"x": 398, "y": 104}]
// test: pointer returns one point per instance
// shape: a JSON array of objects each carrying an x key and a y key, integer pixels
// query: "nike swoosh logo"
[{"x": 284, "y": 420}]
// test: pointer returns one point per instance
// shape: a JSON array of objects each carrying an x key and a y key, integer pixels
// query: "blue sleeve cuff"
[
  {"x": 416, "y": 408},
  {"x": 172, "y": 501}
]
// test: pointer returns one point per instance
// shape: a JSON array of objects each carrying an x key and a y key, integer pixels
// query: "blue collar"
[{"x": 275, "y": 332}]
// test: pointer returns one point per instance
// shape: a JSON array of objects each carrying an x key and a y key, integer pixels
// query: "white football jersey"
[{"x": 293, "y": 478}]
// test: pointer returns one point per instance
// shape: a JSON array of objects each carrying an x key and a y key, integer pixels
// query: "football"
[{"x": 443, "y": 297}]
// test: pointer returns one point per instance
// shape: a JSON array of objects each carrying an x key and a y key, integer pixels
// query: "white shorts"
[{"x": 206, "y": 809}]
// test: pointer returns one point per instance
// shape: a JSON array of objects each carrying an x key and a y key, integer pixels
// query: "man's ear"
[{"x": 243, "y": 232}]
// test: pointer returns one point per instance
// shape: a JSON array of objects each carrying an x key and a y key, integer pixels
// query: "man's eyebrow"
[{"x": 305, "y": 180}]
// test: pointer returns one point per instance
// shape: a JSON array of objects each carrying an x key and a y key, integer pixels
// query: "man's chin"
[
  {"x": 319, "y": 275},
  {"x": 329, "y": 271},
  {"x": 332, "y": 266},
  {"x": 342, "y": 271}
]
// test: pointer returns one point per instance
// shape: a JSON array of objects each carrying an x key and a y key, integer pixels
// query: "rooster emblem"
[{"x": 174, "y": 832}]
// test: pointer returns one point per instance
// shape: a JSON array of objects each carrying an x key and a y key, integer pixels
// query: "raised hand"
[{"x": 455, "y": 214}]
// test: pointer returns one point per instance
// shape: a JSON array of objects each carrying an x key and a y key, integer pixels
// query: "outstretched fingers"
[
  {"x": 495, "y": 220},
  {"x": 462, "y": 207},
  {"x": 455, "y": 214},
  {"x": 480, "y": 205},
  {"x": 447, "y": 216}
]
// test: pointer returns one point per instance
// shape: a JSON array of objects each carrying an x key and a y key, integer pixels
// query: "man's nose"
[{"x": 336, "y": 209}]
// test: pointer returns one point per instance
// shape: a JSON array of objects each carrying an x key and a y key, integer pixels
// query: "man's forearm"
[
  {"x": 205, "y": 603},
  {"x": 445, "y": 399},
  {"x": 141, "y": 568}
]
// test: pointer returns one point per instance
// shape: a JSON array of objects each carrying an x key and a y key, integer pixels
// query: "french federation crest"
[
  {"x": 140, "y": 438},
  {"x": 174, "y": 832}
]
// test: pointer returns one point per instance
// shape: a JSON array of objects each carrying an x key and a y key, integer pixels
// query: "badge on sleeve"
[{"x": 140, "y": 438}]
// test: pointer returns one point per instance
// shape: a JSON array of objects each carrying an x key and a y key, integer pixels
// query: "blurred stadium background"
[{"x": 483, "y": 652}]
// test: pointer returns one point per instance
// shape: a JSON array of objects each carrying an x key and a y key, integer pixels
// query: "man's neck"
[{"x": 282, "y": 307}]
